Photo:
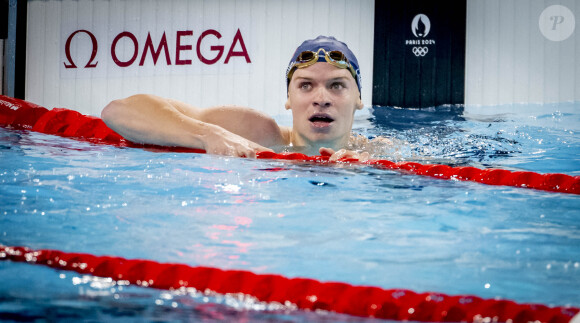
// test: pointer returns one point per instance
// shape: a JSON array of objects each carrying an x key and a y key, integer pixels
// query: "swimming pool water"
[{"x": 348, "y": 223}]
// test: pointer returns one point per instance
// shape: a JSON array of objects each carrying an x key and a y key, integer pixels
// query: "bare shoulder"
[{"x": 249, "y": 123}]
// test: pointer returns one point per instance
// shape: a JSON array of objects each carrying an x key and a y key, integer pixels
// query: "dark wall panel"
[
  {"x": 4, "y": 19},
  {"x": 20, "y": 59},
  {"x": 419, "y": 53}
]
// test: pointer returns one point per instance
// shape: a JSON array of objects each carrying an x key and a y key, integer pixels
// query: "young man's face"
[{"x": 323, "y": 99}]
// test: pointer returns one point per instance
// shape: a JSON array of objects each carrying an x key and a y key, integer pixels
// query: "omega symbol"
[{"x": 71, "y": 63}]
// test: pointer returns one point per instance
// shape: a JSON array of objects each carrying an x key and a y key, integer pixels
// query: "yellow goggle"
[{"x": 308, "y": 58}]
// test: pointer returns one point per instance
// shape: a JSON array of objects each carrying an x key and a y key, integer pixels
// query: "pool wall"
[
  {"x": 82, "y": 54},
  {"x": 522, "y": 52},
  {"x": 208, "y": 52}
]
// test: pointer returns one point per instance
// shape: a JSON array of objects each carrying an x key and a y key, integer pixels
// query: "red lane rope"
[
  {"x": 68, "y": 123},
  {"x": 304, "y": 293}
]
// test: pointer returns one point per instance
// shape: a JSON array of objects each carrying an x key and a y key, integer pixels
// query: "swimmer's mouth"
[{"x": 321, "y": 119}]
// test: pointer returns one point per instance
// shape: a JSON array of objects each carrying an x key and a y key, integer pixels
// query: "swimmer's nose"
[{"x": 322, "y": 98}]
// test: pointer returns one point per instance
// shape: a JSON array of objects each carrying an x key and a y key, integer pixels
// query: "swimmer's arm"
[{"x": 154, "y": 120}]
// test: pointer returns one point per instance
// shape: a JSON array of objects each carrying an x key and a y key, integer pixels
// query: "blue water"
[{"x": 346, "y": 223}]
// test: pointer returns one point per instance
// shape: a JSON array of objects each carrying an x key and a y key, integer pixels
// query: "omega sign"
[{"x": 177, "y": 52}]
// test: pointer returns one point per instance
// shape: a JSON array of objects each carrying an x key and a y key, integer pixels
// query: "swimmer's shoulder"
[
  {"x": 286, "y": 135},
  {"x": 262, "y": 128}
]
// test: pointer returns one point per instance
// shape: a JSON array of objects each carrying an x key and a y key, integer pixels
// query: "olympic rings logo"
[{"x": 420, "y": 51}]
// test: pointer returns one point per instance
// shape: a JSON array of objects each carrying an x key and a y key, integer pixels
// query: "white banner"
[{"x": 81, "y": 54}]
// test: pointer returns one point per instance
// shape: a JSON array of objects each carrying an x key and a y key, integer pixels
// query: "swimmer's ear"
[{"x": 359, "y": 104}]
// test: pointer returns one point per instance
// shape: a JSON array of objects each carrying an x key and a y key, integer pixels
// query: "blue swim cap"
[{"x": 328, "y": 43}]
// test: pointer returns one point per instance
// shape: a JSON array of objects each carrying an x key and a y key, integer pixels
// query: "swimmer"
[{"x": 323, "y": 84}]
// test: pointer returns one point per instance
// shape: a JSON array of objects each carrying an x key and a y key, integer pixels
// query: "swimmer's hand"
[
  {"x": 223, "y": 142},
  {"x": 343, "y": 153}
]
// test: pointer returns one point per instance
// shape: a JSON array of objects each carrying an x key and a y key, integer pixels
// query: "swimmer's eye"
[
  {"x": 305, "y": 86},
  {"x": 337, "y": 85}
]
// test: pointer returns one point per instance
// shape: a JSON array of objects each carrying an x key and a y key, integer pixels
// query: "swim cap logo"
[
  {"x": 557, "y": 23},
  {"x": 420, "y": 27}
]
